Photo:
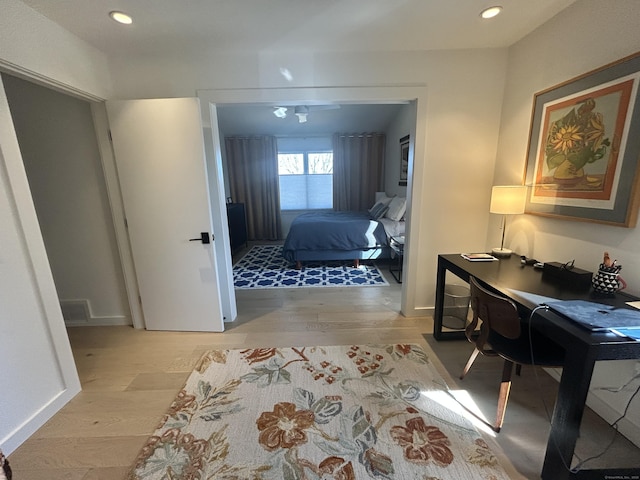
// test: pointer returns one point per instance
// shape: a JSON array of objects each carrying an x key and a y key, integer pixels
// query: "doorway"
[
  {"x": 415, "y": 95},
  {"x": 60, "y": 154}
]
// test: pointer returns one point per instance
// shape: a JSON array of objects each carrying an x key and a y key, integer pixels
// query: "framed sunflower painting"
[{"x": 584, "y": 147}]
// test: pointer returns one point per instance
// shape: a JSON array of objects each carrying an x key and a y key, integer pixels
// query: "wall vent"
[{"x": 75, "y": 311}]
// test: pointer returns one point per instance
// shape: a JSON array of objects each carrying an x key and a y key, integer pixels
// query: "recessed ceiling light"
[
  {"x": 121, "y": 17},
  {"x": 280, "y": 112},
  {"x": 491, "y": 12}
]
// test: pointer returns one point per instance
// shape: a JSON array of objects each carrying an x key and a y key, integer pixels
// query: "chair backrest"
[{"x": 498, "y": 314}]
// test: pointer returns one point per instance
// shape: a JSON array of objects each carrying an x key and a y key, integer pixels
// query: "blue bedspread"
[{"x": 325, "y": 231}]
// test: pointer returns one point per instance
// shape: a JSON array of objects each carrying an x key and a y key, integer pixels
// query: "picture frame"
[
  {"x": 404, "y": 161},
  {"x": 583, "y": 153}
]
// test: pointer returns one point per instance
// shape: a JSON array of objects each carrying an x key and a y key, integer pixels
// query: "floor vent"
[{"x": 75, "y": 311}]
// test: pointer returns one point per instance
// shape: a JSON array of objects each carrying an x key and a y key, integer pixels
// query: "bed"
[{"x": 353, "y": 236}]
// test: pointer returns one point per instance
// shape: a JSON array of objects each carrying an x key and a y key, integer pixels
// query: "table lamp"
[{"x": 507, "y": 200}]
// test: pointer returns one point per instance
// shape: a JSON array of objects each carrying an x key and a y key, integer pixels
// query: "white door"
[{"x": 159, "y": 150}]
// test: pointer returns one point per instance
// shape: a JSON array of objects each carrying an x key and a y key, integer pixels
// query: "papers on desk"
[
  {"x": 478, "y": 257},
  {"x": 597, "y": 317},
  {"x": 630, "y": 332}
]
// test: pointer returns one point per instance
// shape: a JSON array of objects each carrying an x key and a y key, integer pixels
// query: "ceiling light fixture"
[
  {"x": 121, "y": 17},
  {"x": 280, "y": 112},
  {"x": 301, "y": 112},
  {"x": 491, "y": 12}
]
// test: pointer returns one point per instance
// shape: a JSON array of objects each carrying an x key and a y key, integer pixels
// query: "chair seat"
[
  {"x": 504, "y": 333},
  {"x": 546, "y": 352}
]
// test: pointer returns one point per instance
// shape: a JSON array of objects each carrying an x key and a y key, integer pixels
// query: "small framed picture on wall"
[{"x": 404, "y": 160}]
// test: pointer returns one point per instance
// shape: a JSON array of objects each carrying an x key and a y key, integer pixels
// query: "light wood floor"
[{"x": 129, "y": 378}]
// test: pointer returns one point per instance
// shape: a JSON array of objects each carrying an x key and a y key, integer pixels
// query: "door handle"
[{"x": 204, "y": 238}]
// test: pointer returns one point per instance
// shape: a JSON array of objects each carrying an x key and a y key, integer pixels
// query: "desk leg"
[
  {"x": 567, "y": 414},
  {"x": 439, "y": 305}
]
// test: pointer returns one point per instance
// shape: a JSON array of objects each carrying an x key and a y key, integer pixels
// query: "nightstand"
[
  {"x": 237, "y": 225},
  {"x": 396, "y": 243}
]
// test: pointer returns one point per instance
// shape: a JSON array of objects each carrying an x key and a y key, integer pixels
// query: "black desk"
[{"x": 583, "y": 349}]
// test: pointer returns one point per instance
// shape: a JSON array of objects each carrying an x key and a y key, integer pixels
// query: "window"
[{"x": 306, "y": 180}]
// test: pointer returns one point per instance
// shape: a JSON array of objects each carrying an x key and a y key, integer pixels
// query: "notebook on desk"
[{"x": 596, "y": 317}]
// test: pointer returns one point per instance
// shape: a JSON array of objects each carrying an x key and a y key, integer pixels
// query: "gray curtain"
[
  {"x": 358, "y": 169},
  {"x": 253, "y": 177}
]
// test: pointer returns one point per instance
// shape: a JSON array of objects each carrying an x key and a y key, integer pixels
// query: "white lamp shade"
[{"x": 508, "y": 199}]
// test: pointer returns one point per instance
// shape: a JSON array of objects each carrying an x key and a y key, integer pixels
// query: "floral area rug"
[
  {"x": 339, "y": 412},
  {"x": 265, "y": 267}
]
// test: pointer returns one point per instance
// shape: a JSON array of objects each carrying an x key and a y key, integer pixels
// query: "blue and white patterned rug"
[{"x": 265, "y": 267}]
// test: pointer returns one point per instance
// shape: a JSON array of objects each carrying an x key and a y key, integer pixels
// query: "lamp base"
[{"x": 501, "y": 252}]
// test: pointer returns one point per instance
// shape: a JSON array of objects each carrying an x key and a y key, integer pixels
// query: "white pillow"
[
  {"x": 382, "y": 197},
  {"x": 378, "y": 210},
  {"x": 397, "y": 208}
]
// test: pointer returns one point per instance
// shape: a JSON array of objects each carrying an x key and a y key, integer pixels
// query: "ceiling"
[
  {"x": 296, "y": 25},
  {"x": 172, "y": 27},
  {"x": 259, "y": 120}
]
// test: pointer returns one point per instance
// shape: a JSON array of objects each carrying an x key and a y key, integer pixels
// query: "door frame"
[
  {"x": 101, "y": 126},
  {"x": 211, "y": 98},
  {"x": 44, "y": 290}
]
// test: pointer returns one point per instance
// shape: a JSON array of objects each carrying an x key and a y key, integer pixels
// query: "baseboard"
[
  {"x": 78, "y": 313},
  {"x": 16, "y": 438},
  {"x": 626, "y": 426},
  {"x": 101, "y": 322},
  {"x": 419, "y": 312}
]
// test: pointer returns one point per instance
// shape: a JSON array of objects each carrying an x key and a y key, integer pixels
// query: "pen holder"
[{"x": 608, "y": 280}]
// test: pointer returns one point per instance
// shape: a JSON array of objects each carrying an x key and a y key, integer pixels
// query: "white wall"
[
  {"x": 60, "y": 153},
  {"x": 540, "y": 61},
  {"x": 400, "y": 127},
  {"x": 458, "y": 125},
  {"x": 33, "y": 46},
  {"x": 587, "y": 35}
]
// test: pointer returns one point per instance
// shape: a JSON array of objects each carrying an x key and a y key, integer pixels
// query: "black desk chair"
[{"x": 502, "y": 333}]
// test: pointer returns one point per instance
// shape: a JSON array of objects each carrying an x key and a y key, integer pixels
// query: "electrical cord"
[
  {"x": 619, "y": 389},
  {"x": 533, "y": 363},
  {"x": 614, "y": 425},
  {"x": 615, "y": 434}
]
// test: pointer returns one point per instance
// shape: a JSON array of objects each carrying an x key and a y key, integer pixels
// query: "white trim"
[
  {"x": 40, "y": 272},
  {"x": 101, "y": 125},
  {"x": 218, "y": 208},
  {"x": 101, "y": 322},
  {"x": 420, "y": 312},
  {"x": 35, "y": 77},
  {"x": 31, "y": 425}
]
